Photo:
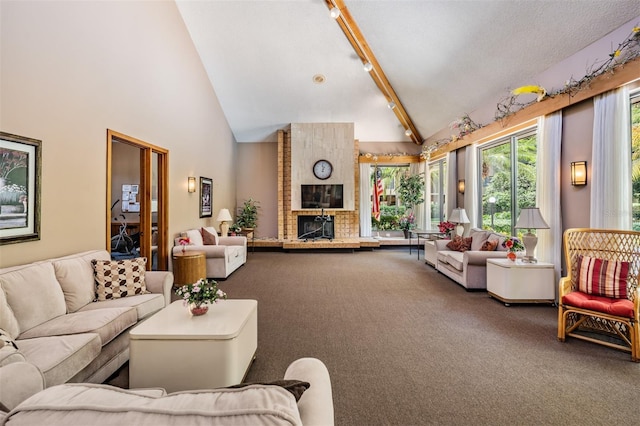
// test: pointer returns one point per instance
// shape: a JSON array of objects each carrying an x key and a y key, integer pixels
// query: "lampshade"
[
  {"x": 530, "y": 218},
  {"x": 459, "y": 215},
  {"x": 224, "y": 216},
  {"x": 578, "y": 173}
]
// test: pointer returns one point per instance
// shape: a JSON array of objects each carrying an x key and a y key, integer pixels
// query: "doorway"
[{"x": 137, "y": 200}]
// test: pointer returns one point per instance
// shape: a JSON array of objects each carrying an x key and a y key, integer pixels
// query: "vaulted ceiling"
[{"x": 443, "y": 58}]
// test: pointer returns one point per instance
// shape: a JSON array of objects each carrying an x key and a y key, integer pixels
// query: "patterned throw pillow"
[
  {"x": 119, "y": 278},
  {"x": 603, "y": 277},
  {"x": 489, "y": 245},
  {"x": 460, "y": 244}
]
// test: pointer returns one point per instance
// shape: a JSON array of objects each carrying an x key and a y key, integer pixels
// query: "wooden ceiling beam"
[{"x": 364, "y": 52}]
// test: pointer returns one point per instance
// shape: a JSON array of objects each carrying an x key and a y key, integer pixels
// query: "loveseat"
[
  {"x": 468, "y": 266},
  {"x": 303, "y": 397},
  {"x": 55, "y": 317},
  {"x": 223, "y": 254}
]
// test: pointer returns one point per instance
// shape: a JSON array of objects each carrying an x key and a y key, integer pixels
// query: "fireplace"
[{"x": 311, "y": 227}]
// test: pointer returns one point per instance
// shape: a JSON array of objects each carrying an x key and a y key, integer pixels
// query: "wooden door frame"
[{"x": 146, "y": 154}]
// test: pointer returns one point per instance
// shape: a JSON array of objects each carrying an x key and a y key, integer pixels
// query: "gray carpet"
[{"x": 407, "y": 346}]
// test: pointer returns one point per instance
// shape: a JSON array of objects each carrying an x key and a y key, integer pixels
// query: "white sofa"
[
  {"x": 223, "y": 254},
  {"x": 469, "y": 268},
  {"x": 48, "y": 317},
  {"x": 79, "y": 404}
]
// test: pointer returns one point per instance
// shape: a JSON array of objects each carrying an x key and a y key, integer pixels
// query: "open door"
[{"x": 137, "y": 200}]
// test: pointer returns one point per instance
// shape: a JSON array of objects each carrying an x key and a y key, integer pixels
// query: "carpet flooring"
[{"x": 405, "y": 345}]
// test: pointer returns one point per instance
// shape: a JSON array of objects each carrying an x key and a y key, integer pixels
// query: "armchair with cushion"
[
  {"x": 223, "y": 254},
  {"x": 599, "y": 299}
]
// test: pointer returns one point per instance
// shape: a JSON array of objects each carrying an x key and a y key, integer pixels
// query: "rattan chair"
[{"x": 594, "y": 323}]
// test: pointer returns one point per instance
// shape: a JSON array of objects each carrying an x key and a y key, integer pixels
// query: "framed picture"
[
  {"x": 206, "y": 197},
  {"x": 20, "y": 164}
]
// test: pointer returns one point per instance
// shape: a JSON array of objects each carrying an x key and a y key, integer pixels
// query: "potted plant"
[
  {"x": 411, "y": 190},
  {"x": 248, "y": 214},
  {"x": 198, "y": 295},
  {"x": 406, "y": 224}
]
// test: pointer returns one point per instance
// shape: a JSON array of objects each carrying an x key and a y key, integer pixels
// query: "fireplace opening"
[{"x": 315, "y": 227}]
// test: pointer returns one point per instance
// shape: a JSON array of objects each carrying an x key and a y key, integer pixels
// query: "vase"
[
  {"x": 183, "y": 250},
  {"x": 198, "y": 309},
  {"x": 406, "y": 233},
  {"x": 511, "y": 256}
]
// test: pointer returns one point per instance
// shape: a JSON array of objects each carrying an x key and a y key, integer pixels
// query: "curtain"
[
  {"x": 611, "y": 161},
  {"x": 471, "y": 191},
  {"x": 419, "y": 210},
  {"x": 427, "y": 195},
  {"x": 365, "y": 200},
  {"x": 549, "y": 137},
  {"x": 452, "y": 183}
]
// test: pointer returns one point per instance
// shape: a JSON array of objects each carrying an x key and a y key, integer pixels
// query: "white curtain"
[
  {"x": 452, "y": 183},
  {"x": 471, "y": 190},
  {"x": 549, "y": 137},
  {"x": 419, "y": 210},
  {"x": 427, "y": 195},
  {"x": 611, "y": 161},
  {"x": 365, "y": 200}
]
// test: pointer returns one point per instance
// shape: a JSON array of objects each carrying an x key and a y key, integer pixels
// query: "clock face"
[{"x": 322, "y": 169}]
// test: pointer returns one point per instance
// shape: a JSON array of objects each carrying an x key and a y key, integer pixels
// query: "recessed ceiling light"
[{"x": 319, "y": 79}]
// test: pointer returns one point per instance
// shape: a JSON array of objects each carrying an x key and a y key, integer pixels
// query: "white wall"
[{"x": 71, "y": 70}]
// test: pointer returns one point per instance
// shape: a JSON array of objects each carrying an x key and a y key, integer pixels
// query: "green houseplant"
[
  {"x": 411, "y": 190},
  {"x": 247, "y": 217}
]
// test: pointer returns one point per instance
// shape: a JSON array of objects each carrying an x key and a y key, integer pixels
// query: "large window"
[
  {"x": 438, "y": 177},
  {"x": 507, "y": 176},
  {"x": 391, "y": 208},
  {"x": 635, "y": 158}
]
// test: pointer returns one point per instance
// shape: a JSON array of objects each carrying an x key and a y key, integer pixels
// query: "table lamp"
[
  {"x": 530, "y": 218},
  {"x": 459, "y": 216},
  {"x": 223, "y": 217}
]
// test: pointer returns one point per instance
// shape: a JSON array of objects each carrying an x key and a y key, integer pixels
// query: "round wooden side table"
[{"x": 188, "y": 267}]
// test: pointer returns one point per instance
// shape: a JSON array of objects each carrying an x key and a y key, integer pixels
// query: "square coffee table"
[{"x": 176, "y": 351}]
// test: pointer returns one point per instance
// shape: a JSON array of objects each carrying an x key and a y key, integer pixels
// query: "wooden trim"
[
  {"x": 625, "y": 74},
  {"x": 390, "y": 159},
  {"x": 364, "y": 52}
]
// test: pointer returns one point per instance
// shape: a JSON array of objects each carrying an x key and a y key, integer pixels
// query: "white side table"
[{"x": 519, "y": 282}]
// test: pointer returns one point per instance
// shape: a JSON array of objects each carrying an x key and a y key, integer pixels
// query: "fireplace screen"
[{"x": 314, "y": 227}]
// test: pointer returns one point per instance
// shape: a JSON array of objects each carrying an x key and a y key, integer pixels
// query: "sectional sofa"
[{"x": 50, "y": 315}]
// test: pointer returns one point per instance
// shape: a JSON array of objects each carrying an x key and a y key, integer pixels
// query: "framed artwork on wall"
[
  {"x": 206, "y": 197},
  {"x": 20, "y": 165}
]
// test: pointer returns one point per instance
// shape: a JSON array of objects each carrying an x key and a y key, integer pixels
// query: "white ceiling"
[{"x": 444, "y": 58}]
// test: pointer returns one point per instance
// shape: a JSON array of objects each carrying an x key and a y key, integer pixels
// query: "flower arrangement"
[
  {"x": 446, "y": 227},
  {"x": 205, "y": 290},
  {"x": 513, "y": 244},
  {"x": 184, "y": 241},
  {"x": 406, "y": 222}
]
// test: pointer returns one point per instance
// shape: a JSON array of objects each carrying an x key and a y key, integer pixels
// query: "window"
[
  {"x": 507, "y": 180},
  {"x": 438, "y": 175},
  {"x": 391, "y": 209},
  {"x": 635, "y": 161}
]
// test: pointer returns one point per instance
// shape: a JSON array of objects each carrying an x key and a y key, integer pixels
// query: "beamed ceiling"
[{"x": 436, "y": 60}]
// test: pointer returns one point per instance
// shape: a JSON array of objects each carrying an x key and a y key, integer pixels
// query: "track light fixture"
[
  {"x": 335, "y": 12},
  {"x": 408, "y": 132},
  {"x": 391, "y": 105},
  {"x": 368, "y": 67}
]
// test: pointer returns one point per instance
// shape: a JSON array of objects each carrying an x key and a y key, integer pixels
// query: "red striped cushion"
[{"x": 603, "y": 277}]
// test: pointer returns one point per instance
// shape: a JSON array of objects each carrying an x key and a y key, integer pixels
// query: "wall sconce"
[
  {"x": 461, "y": 186},
  {"x": 191, "y": 184},
  {"x": 578, "y": 173}
]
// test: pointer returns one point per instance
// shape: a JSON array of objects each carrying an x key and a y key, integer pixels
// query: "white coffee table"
[
  {"x": 176, "y": 351},
  {"x": 518, "y": 282}
]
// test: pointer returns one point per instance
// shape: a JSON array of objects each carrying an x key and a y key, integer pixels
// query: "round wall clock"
[{"x": 322, "y": 169}]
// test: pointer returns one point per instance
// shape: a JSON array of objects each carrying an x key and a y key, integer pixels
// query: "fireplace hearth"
[{"x": 313, "y": 227}]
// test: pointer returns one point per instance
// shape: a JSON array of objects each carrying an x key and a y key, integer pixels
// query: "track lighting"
[
  {"x": 391, "y": 105},
  {"x": 408, "y": 132},
  {"x": 335, "y": 12},
  {"x": 368, "y": 67}
]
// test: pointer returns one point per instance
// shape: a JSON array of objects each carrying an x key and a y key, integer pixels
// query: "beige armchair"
[{"x": 223, "y": 255}]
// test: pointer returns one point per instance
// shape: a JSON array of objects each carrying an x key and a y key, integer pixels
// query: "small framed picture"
[
  {"x": 20, "y": 160},
  {"x": 206, "y": 197}
]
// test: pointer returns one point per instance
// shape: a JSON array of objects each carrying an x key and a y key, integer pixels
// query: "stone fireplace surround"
[{"x": 346, "y": 223}]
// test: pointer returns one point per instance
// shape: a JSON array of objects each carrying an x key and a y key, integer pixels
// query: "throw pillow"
[
  {"x": 460, "y": 244},
  {"x": 479, "y": 238},
  {"x": 489, "y": 245},
  {"x": 195, "y": 237},
  {"x": 209, "y": 238},
  {"x": 603, "y": 277},
  {"x": 296, "y": 387},
  {"x": 119, "y": 278}
]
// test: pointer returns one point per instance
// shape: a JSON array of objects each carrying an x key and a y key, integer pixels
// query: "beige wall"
[{"x": 70, "y": 71}]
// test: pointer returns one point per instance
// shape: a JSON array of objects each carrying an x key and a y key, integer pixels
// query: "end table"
[
  {"x": 519, "y": 282},
  {"x": 188, "y": 267}
]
